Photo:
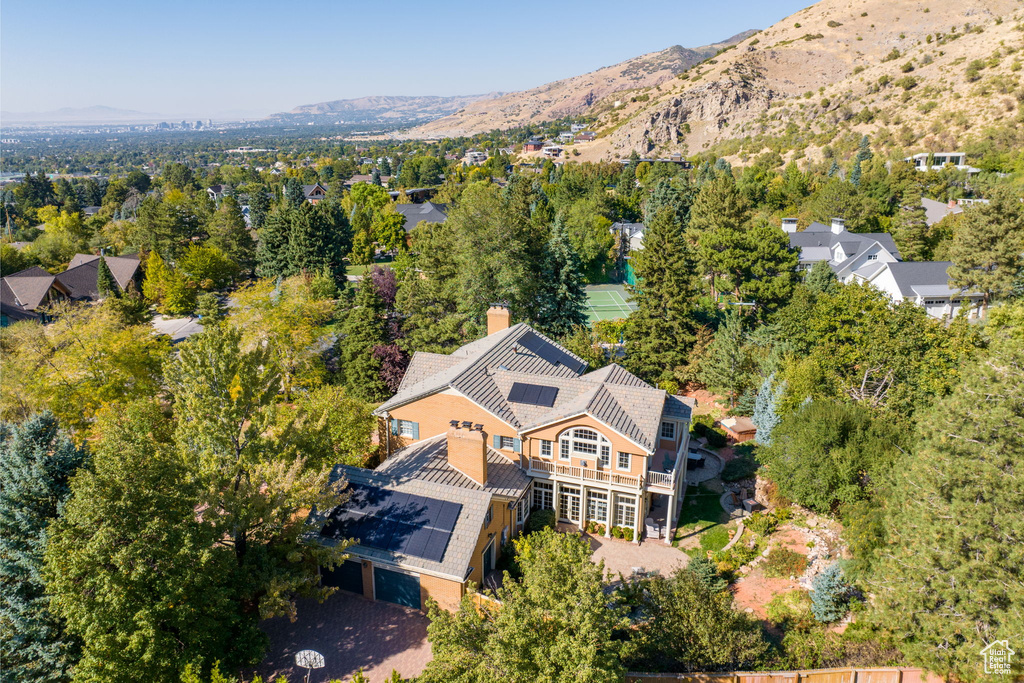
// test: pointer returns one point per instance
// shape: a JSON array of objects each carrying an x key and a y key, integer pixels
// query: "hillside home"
[
  {"x": 479, "y": 439},
  {"x": 475, "y": 158},
  {"x": 935, "y": 211},
  {"x": 939, "y": 161},
  {"x": 586, "y": 136},
  {"x": 533, "y": 145},
  {"x": 873, "y": 258},
  {"x": 551, "y": 150}
]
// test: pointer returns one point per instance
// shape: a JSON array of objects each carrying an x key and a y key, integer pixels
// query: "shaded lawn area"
[{"x": 702, "y": 515}]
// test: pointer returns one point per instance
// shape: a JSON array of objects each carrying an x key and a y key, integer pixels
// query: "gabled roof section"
[
  {"x": 472, "y": 372},
  {"x": 428, "y": 461},
  {"x": 427, "y": 211},
  {"x": 911, "y": 274},
  {"x": 123, "y": 268},
  {"x": 28, "y": 287}
]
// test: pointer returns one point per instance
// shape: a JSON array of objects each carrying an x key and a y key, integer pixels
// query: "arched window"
[{"x": 585, "y": 443}]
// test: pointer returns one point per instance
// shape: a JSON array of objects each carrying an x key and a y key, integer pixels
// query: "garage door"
[
  {"x": 348, "y": 576},
  {"x": 401, "y": 589}
]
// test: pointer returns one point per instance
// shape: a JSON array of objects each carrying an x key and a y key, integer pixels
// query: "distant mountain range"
[
  {"x": 385, "y": 109},
  {"x": 92, "y": 115}
]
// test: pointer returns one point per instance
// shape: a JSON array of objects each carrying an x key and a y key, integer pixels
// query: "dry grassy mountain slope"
[
  {"x": 913, "y": 73},
  {"x": 571, "y": 96}
]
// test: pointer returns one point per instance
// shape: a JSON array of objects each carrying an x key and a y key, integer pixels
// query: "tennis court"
[{"x": 607, "y": 302}]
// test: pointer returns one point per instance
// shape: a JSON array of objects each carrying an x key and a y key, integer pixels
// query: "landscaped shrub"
[
  {"x": 762, "y": 523},
  {"x": 715, "y": 436},
  {"x": 742, "y": 467},
  {"x": 708, "y": 574},
  {"x": 622, "y": 532},
  {"x": 539, "y": 519},
  {"x": 595, "y": 528},
  {"x": 830, "y": 595},
  {"x": 790, "y": 610},
  {"x": 783, "y": 563}
]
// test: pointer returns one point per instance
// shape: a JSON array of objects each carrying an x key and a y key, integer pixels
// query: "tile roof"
[
  {"x": 428, "y": 460},
  {"x": 455, "y": 564},
  {"x": 485, "y": 370},
  {"x": 28, "y": 288}
]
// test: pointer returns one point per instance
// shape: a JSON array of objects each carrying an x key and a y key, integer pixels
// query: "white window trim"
[
  {"x": 618, "y": 461},
  {"x": 507, "y": 443},
  {"x": 672, "y": 425},
  {"x": 545, "y": 448},
  {"x": 405, "y": 429}
]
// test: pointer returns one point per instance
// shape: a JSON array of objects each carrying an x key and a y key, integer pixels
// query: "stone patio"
[{"x": 621, "y": 557}]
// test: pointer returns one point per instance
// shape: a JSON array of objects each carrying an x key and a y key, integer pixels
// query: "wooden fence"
[{"x": 849, "y": 675}]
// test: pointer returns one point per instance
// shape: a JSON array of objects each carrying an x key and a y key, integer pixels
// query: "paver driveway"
[{"x": 351, "y": 632}]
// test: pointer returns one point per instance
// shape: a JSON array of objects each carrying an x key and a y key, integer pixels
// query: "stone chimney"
[
  {"x": 838, "y": 225},
  {"x": 467, "y": 450},
  {"x": 788, "y": 225},
  {"x": 498, "y": 318}
]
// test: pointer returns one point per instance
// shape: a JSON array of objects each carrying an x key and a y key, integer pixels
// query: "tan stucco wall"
[
  {"x": 531, "y": 445},
  {"x": 501, "y": 517},
  {"x": 447, "y": 594},
  {"x": 434, "y": 414}
]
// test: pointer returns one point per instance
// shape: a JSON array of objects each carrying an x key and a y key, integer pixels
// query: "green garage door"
[
  {"x": 401, "y": 589},
  {"x": 348, "y": 576}
]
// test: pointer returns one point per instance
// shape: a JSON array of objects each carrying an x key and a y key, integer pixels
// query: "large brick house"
[{"x": 505, "y": 425}]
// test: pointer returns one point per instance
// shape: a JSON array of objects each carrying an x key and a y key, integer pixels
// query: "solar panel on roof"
[
  {"x": 533, "y": 394},
  {"x": 395, "y": 521},
  {"x": 551, "y": 353}
]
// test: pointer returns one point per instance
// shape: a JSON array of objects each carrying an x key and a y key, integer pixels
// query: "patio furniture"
[
  {"x": 653, "y": 528},
  {"x": 694, "y": 460}
]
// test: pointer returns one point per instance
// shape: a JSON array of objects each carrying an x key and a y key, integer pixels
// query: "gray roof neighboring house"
[
  {"x": 935, "y": 211},
  {"x": 455, "y": 564},
  {"x": 30, "y": 288},
  {"x": 915, "y": 274},
  {"x": 427, "y": 211},
  {"x": 428, "y": 460},
  {"x": 308, "y": 190},
  {"x": 82, "y": 274},
  {"x": 818, "y": 235}
]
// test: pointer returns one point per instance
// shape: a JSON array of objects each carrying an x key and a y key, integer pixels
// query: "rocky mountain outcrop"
[{"x": 573, "y": 96}]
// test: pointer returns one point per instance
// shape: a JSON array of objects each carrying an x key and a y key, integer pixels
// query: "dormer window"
[
  {"x": 872, "y": 257},
  {"x": 668, "y": 430}
]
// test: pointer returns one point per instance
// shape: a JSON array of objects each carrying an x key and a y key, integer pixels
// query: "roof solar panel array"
[
  {"x": 394, "y": 521},
  {"x": 533, "y": 394},
  {"x": 551, "y": 353}
]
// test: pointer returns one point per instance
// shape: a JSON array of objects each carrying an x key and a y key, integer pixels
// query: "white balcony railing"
[{"x": 542, "y": 467}]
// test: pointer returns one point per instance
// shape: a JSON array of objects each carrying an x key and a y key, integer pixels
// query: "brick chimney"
[
  {"x": 788, "y": 225},
  {"x": 838, "y": 225},
  {"x": 467, "y": 450},
  {"x": 498, "y": 318}
]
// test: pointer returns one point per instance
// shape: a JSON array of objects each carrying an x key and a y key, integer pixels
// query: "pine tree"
[
  {"x": 708, "y": 574},
  {"x": 666, "y": 193},
  {"x": 317, "y": 239},
  {"x": 987, "y": 249},
  {"x": 375, "y": 177},
  {"x": 864, "y": 150},
  {"x": 228, "y": 233},
  {"x": 829, "y": 595},
  {"x": 833, "y": 170},
  {"x": 725, "y": 369},
  {"x": 719, "y": 225},
  {"x": 766, "y": 409},
  {"x": 661, "y": 329},
  {"x": 855, "y": 172},
  {"x": 821, "y": 279},
  {"x": 273, "y": 242},
  {"x": 766, "y": 267},
  {"x": 950, "y": 574},
  {"x": 294, "y": 196},
  {"x": 912, "y": 228},
  {"x": 562, "y": 297},
  {"x": 363, "y": 331},
  {"x": 37, "y": 460},
  {"x": 106, "y": 285},
  {"x": 259, "y": 206}
]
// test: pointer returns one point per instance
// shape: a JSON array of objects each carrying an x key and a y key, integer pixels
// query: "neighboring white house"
[
  {"x": 473, "y": 157},
  {"x": 940, "y": 159},
  {"x": 874, "y": 258}
]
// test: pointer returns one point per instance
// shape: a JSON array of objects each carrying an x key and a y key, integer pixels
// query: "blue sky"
[{"x": 226, "y": 57}]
